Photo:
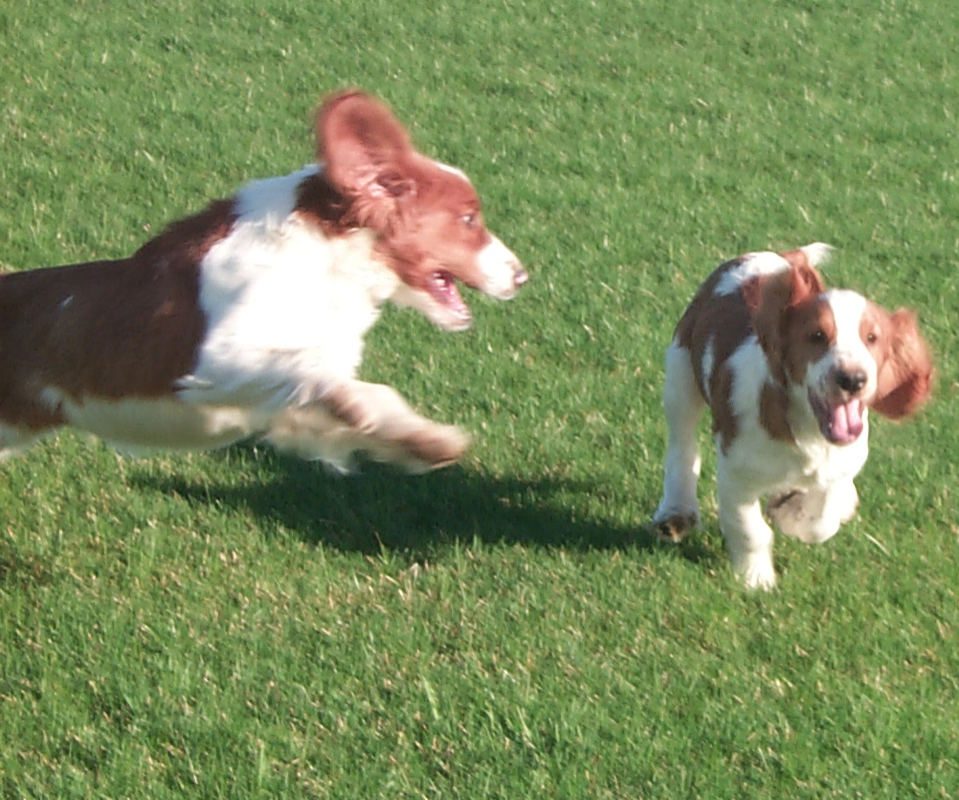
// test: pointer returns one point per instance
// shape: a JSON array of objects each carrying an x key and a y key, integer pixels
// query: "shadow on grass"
[{"x": 382, "y": 508}]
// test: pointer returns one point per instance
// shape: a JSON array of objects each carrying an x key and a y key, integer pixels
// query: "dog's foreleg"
[
  {"x": 749, "y": 539},
  {"x": 683, "y": 404},
  {"x": 343, "y": 417},
  {"x": 390, "y": 430}
]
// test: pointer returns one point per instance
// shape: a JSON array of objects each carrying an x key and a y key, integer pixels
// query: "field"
[{"x": 240, "y": 624}]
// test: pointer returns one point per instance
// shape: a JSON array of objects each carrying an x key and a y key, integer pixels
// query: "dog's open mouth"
[
  {"x": 442, "y": 287},
  {"x": 840, "y": 422}
]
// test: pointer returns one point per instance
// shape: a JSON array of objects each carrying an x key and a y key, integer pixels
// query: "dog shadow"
[{"x": 383, "y": 509}]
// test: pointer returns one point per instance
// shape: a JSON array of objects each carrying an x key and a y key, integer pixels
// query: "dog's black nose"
[{"x": 851, "y": 381}]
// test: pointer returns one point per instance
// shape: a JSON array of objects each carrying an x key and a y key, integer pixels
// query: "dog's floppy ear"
[
  {"x": 810, "y": 255},
  {"x": 905, "y": 375},
  {"x": 770, "y": 298},
  {"x": 366, "y": 152}
]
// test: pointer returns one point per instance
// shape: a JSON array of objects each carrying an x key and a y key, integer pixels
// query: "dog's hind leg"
[
  {"x": 678, "y": 511},
  {"x": 351, "y": 416},
  {"x": 814, "y": 515}
]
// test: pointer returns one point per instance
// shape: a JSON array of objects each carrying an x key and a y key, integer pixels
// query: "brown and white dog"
[
  {"x": 789, "y": 371},
  {"x": 247, "y": 319}
]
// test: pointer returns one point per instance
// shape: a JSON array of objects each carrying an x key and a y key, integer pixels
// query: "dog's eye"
[
  {"x": 818, "y": 336},
  {"x": 872, "y": 338},
  {"x": 469, "y": 220}
]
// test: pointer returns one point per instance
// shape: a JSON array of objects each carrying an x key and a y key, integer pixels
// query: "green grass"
[{"x": 240, "y": 624}]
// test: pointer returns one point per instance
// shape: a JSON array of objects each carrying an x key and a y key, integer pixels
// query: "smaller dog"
[
  {"x": 789, "y": 371},
  {"x": 248, "y": 318}
]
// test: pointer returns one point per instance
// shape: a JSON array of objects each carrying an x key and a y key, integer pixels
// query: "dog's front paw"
[
  {"x": 756, "y": 571},
  {"x": 675, "y": 527},
  {"x": 434, "y": 446}
]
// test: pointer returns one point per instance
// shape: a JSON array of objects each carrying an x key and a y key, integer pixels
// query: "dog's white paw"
[
  {"x": 434, "y": 446},
  {"x": 674, "y": 526},
  {"x": 756, "y": 571}
]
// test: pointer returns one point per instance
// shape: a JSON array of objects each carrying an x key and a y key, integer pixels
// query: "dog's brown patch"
[
  {"x": 725, "y": 425},
  {"x": 322, "y": 205},
  {"x": 717, "y": 321},
  {"x": 674, "y": 529},
  {"x": 720, "y": 324},
  {"x": 773, "y": 408},
  {"x": 110, "y": 329}
]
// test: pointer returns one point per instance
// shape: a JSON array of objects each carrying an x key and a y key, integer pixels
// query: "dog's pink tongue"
[{"x": 847, "y": 421}]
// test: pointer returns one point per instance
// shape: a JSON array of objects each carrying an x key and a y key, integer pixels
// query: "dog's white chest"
[{"x": 285, "y": 304}]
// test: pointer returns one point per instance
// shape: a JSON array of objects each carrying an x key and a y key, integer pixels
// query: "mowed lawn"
[{"x": 241, "y": 624}]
